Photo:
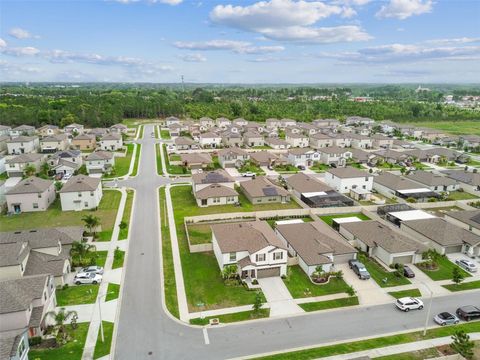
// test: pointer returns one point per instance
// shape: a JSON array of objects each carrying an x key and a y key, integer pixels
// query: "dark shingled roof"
[{"x": 18, "y": 294}]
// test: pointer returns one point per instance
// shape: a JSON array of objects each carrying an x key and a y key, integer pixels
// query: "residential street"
[{"x": 145, "y": 331}]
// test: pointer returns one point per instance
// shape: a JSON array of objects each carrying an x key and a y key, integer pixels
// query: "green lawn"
[
  {"x": 55, "y": 217},
  {"x": 286, "y": 169},
  {"x": 199, "y": 233},
  {"x": 159, "y": 159},
  {"x": 330, "y": 304},
  {"x": 4, "y": 176},
  {"x": 142, "y": 128},
  {"x": 444, "y": 271},
  {"x": 113, "y": 291},
  {"x": 102, "y": 258},
  {"x": 73, "y": 350},
  {"x": 170, "y": 286},
  {"x": 378, "y": 273},
  {"x": 405, "y": 293},
  {"x": 75, "y": 295},
  {"x": 235, "y": 317},
  {"x": 388, "y": 166},
  {"x": 165, "y": 134},
  {"x": 460, "y": 195},
  {"x": 251, "y": 167},
  {"x": 103, "y": 348},
  {"x": 122, "y": 164},
  {"x": 137, "y": 160},
  {"x": 300, "y": 286},
  {"x": 463, "y": 286},
  {"x": 127, "y": 212},
  {"x": 157, "y": 132},
  {"x": 415, "y": 355},
  {"x": 174, "y": 169},
  {"x": 329, "y": 218},
  {"x": 346, "y": 348},
  {"x": 118, "y": 258},
  {"x": 452, "y": 127},
  {"x": 203, "y": 284},
  {"x": 175, "y": 157},
  {"x": 320, "y": 168}
]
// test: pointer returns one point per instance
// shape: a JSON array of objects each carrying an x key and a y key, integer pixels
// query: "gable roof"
[
  {"x": 348, "y": 172},
  {"x": 80, "y": 183},
  {"x": 100, "y": 155},
  {"x": 22, "y": 139},
  {"x": 215, "y": 190},
  {"x": 43, "y": 237},
  {"x": 196, "y": 158},
  {"x": 212, "y": 177},
  {"x": 18, "y": 294},
  {"x": 430, "y": 179},
  {"x": 24, "y": 158},
  {"x": 469, "y": 217},
  {"x": 395, "y": 182},
  {"x": 304, "y": 183},
  {"x": 235, "y": 151},
  {"x": 261, "y": 186},
  {"x": 31, "y": 185}
]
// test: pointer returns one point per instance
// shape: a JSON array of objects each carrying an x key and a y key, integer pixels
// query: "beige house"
[
  {"x": 48, "y": 130},
  {"x": 297, "y": 139},
  {"x": 253, "y": 138},
  {"x": 214, "y": 188},
  {"x": 23, "y": 145},
  {"x": 31, "y": 194},
  {"x": 262, "y": 191},
  {"x": 232, "y": 157},
  {"x": 84, "y": 142},
  {"x": 196, "y": 160},
  {"x": 54, "y": 143},
  {"x": 16, "y": 165},
  {"x": 321, "y": 140},
  {"x": 99, "y": 162},
  {"x": 81, "y": 193}
]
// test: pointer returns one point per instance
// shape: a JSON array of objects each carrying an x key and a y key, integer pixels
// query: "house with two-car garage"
[
  {"x": 252, "y": 246},
  {"x": 315, "y": 244},
  {"x": 382, "y": 242}
]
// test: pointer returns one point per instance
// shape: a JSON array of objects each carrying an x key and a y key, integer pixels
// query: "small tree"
[
  {"x": 462, "y": 344},
  {"x": 350, "y": 291},
  {"x": 58, "y": 186},
  {"x": 29, "y": 170},
  {"x": 91, "y": 222},
  {"x": 229, "y": 272},
  {"x": 257, "y": 305},
  {"x": 61, "y": 317},
  {"x": 457, "y": 276},
  {"x": 123, "y": 225}
]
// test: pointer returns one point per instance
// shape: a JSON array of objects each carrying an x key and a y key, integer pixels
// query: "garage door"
[
  {"x": 342, "y": 259},
  {"x": 263, "y": 273},
  {"x": 453, "y": 249},
  {"x": 403, "y": 259}
]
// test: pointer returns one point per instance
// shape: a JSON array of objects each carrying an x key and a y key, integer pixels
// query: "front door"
[{"x": 17, "y": 209}]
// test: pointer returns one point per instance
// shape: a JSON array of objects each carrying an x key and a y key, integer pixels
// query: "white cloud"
[
  {"x": 20, "y": 33},
  {"x": 20, "y": 51},
  {"x": 239, "y": 47},
  {"x": 193, "y": 58},
  {"x": 402, "y": 9},
  {"x": 3, "y": 43},
  {"x": 290, "y": 20},
  {"x": 463, "y": 40}
]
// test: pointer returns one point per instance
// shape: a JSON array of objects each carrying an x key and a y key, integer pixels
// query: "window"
[
  {"x": 91, "y": 193},
  {"x": 278, "y": 256},
  {"x": 79, "y": 194},
  {"x": 260, "y": 257},
  {"x": 35, "y": 205},
  {"x": 45, "y": 296},
  {"x": 233, "y": 256},
  {"x": 39, "y": 196},
  {"x": 86, "y": 203},
  {"x": 21, "y": 348}
]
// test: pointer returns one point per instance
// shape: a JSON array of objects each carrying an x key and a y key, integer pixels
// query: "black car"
[
  {"x": 468, "y": 312},
  {"x": 407, "y": 272},
  {"x": 301, "y": 167}
]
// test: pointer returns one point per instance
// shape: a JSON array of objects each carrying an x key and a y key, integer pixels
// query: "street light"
[
  {"x": 428, "y": 310},
  {"x": 100, "y": 313}
]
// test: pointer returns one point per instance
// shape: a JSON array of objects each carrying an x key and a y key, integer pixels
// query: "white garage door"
[
  {"x": 407, "y": 259},
  {"x": 453, "y": 249}
]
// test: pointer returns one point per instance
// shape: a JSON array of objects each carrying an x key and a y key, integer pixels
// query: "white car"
[
  {"x": 467, "y": 265},
  {"x": 92, "y": 269},
  {"x": 87, "y": 278},
  {"x": 67, "y": 176},
  {"x": 409, "y": 303},
  {"x": 248, "y": 174}
]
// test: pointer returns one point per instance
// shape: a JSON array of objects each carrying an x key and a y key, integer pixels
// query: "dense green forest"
[{"x": 101, "y": 105}]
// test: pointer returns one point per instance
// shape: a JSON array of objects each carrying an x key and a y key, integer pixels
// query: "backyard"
[
  {"x": 460, "y": 195},
  {"x": 199, "y": 233},
  {"x": 381, "y": 276},
  {"x": 328, "y": 219}
]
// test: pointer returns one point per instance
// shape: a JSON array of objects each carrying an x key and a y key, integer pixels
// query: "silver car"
[
  {"x": 446, "y": 318},
  {"x": 467, "y": 265}
]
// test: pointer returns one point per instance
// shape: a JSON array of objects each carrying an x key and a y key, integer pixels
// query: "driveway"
[
  {"x": 233, "y": 172},
  {"x": 458, "y": 256},
  {"x": 269, "y": 172},
  {"x": 279, "y": 298},
  {"x": 368, "y": 291},
  {"x": 425, "y": 284}
]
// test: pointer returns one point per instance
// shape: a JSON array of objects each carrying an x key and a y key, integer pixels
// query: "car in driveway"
[
  {"x": 87, "y": 278},
  {"x": 468, "y": 312},
  {"x": 407, "y": 272},
  {"x": 301, "y": 167},
  {"x": 67, "y": 176},
  {"x": 359, "y": 269},
  {"x": 446, "y": 318},
  {"x": 467, "y": 265},
  {"x": 409, "y": 303},
  {"x": 248, "y": 174},
  {"x": 92, "y": 269}
]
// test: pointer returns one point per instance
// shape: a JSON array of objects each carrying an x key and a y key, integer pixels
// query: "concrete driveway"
[
  {"x": 233, "y": 172},
  {"x": 458, "y": 256},
  {"x": 269, "y": 172},
  {"x": 279, "y": 298},
  {"x": 368, "y": 291},
  {"x": 425, "y": 284}
]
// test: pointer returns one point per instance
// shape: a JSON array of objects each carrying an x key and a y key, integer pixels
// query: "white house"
[
  {"x": 210, "y": 140},
  {"x": 99, "y": 162},
  {"x": 53, "y": 143},
  {"x": 31, "y": 194},
  {"x": 344, "y": 180},
  {"x": 361, "y": 141},
  {"x": 297, "y": 140},
  {"x": 81, "y": 193},
  {"x": 23, "y": 145},
  {"x": 232, "y": 157},
  {"x": 302, "y": 156},
  {"x": 111, "y": 142},
  {"x": 22, "y": 130},
  {"x": 334, "y": 155},
  {"x": 251, "y": 246}
]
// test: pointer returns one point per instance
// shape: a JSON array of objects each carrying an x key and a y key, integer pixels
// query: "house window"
[
  {"x": 233, "y": 257},
  {"x": 260, "y": 257},
  {"x": 85, "y": 203},
  {"x": 278, "y": 256},
  {"x": 39, "y": 196},
  {"x": 35, "y": 205},
  {"x": 21, "y": 348},
  {"x": 79, "y": 194},
  {"x": 45, "y": 296},
  {"x": 91, "y": 193}
]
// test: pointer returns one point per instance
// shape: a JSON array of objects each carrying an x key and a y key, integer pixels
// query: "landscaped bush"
[{"x": 34, "y": 340}]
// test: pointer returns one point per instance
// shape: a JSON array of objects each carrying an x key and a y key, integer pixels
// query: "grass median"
[{"x": 330, "y": 304}]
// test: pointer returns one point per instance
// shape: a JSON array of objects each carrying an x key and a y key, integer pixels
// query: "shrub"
[{"x": 34, "y": 340}]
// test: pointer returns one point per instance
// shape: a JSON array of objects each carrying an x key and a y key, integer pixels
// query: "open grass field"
[{"x": 453, "y": 127}]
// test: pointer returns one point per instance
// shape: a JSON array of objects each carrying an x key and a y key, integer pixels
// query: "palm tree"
[
  {"x": 61, "y": 317},
  {"x": 45, "y": 168},
  {"x": 81, "y": 251},
  {"x": 91, "y": 222},
  {"x": 29, "y": 170}
]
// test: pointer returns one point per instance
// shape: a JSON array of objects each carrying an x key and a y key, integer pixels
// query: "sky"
[{"x": 227, "y": 41}]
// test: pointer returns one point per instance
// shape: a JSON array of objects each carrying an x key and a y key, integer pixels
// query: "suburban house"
[
  {"x": 466, "y": 177},
  {"x": 391, "y": 185},
  {"x": 31, "y": 194},
  {"x": 207, "y": 122},
  {"x": 74, "y": 129},
  {"x": 321, "y": 140},
  {"x": 16, "y": 165},
  {"x": 302, "y": 157},
  {"x": 111, "y": 142},
  {"x": 392, "y": 156},
  {"x": 321, "y": 123},
  {"x": 262, "y": 191},
  {"x": 469, "y": 220},
  {"x": 222, "y": 122},
  {"x": 252, "y": 246},
  {"x": 351, "y": 181},
  {"x": 232, "y": 157},
  {"x": 358, "y": 120},
  {"x": 214, "y": 188},
  {"x": 22, "y": 130},
  {"x": 25, "y": 303},
  {"x": 240, "y": 122},
  {"x": 5, "y": 130},
  {"x": 315, "y": 244},
  {"x": 99, "y": 162},
  {"x": 196, "y": 160},
  {"x": 210, "y": 140},
  {"x": 443, "y": 236},
  {"x": 382, "y": 242},
  {"x": 65, "y": 162},
  {"x": 436, "y": 155},
  {"x": 84, "y": 142},
  {"x": 174, "y": 130},
  {"x": 334, "y": 155},
  {"x": 433, "y": 181},
  {"x": 231, "y": 137},
  {"x": 185, "y": 143},
  {"x": 23, "y": 145},
  {"x": 48, "y": 130},
  {"x": 276, "y": 143},
  {"x": 172, "y": 120},
  {"x": 361, "y": 141},
  {"x": 119, "y": 129},
  {"x": 81, "y": 193},
  {"x": 97, "y": 132},
  {"x": 382, "y": 141},
  {"x": 253, "y": 138},
  {"x": 265, "y": 158},
  {"x": 341, "y": 140},
  {"x": 298, "y": 140},
  {"x": 53, "y": 143},
  {"x": 14, "y": 345},
  {"x": 362, "y": 156}
]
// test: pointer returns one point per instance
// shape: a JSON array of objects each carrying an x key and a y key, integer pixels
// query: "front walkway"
[{"x": 278, "y": 297}]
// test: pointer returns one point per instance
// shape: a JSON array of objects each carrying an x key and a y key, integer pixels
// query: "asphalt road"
[{"x": 145, "y": 331}]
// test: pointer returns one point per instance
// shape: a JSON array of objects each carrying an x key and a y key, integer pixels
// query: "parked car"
[
  {"x": 359, "y": 269},
  {"x": 301, "y": 167},
  {"x": 93, "y": 269},
  {"x": 407, "y": 272},
  {"x": 446, "y": 318},
  {"x": 467, "y": 265},
  {"x": 248, "y": 174},
  {"x": 67, "y": 176},
  {"x": 468, "y": 312},
  {"x": 87, "y": 278},
  {"x": 409, "y": 303}
]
